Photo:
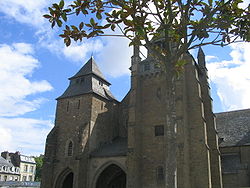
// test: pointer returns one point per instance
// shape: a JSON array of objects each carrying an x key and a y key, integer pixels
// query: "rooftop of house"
[
  {"x": 27, "y": 159},
  {"x": 234, "y": 128},
  {"x": 4, "y": 162}
]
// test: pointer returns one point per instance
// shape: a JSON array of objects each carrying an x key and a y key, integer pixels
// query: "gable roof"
[{"x": 234, "y": 127}]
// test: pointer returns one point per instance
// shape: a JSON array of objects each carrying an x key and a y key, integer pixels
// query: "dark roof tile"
[
  {"x": 90, "y": 68},
  {"x": 4, "y": 162},
  {"x": 234, "y": 127}
]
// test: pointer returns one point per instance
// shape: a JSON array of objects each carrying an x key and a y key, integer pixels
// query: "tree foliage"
[
  {"x": 39, "y": 164},
  {"x": 184, "y": 24}
]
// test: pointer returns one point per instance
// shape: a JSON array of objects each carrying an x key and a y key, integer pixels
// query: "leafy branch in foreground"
[{"x": 183, "y": 24}]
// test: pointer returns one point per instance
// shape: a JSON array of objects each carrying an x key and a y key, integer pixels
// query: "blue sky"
[{"x": 35, "y": 65}]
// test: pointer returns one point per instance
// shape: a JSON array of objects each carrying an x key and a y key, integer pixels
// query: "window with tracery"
[{"x": 70, "y": 149}]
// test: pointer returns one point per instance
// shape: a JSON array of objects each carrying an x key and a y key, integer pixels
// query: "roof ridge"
[
  {"x": 233, "y": 111},
  {"x": 90, "y": 67}
]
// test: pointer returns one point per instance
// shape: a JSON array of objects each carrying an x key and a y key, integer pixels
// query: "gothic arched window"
[{"x": 69, "y": 148}]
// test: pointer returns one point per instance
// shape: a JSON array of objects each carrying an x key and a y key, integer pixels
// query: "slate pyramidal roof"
[{"x": 90, "y": 68}]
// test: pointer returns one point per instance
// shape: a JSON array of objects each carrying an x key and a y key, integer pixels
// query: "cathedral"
[{"x": 99, "y": 142}]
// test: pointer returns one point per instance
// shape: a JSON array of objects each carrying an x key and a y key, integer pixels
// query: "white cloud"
[
  {"x": 211, "y": 57},
  {"x": 232, "y": 78},
  {"x": 78, "y": 52},
  {"x": 114, "y": 58},
  {"x": 30, "y": 12},
  {"x": 16, "y": 65},
  {"x": 245, "y": 3},
  {"x": 5, "y": 139},
  {"x": 24, "y": 135},
  {"x": 25, "y": 11}
]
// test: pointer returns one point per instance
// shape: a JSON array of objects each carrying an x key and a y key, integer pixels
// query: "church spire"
[
  {"x": 201, "y": 58},
  {"x": 136, "y": 54}
]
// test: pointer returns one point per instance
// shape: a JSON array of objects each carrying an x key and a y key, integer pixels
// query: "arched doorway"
[
  {"x": 112, "y": 177},
  {"x": 68, "y": 181},
  {"x": 65, "y": 179}
]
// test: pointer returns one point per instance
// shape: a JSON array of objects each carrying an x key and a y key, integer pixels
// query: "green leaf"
[
  {"x": 106, "y": 26},
  {"x": 113, "y": 27},
  {"x": 67, "y": 41},
  {"x": 210, "y": 2},
  {"x": 51, "y": 11},
  {"x": 56, "y": 6},
  {"x": 88, "y": 25},
  {"x": 74, "y": 28},
  {"x": 92, "y": 21},
  {"x": 81, "y": 25},
  {"x": 61, "y": 4},
  {"x": 62, "y": 35},
  {"x": 84, "y": 11},
  {"x": 78, "y": 11},
  {"x": 64, "y": 16},
  {"x": 59, "y": 23},
  {"x": 100, "y": 31},
  {"x": 53, "y": 24},
  {"x": 98, "y": 15},
  {"x": 47, "y": 16},
  {"x": 67, "y": 10}
]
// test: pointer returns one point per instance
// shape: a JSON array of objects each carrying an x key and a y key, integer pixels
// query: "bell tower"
[
  {"x": 197, "y": 159},
  {"x": 80, "y": 125}
]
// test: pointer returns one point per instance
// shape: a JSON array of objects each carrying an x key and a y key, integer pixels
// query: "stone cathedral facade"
[{"x": 99, "y": 142}]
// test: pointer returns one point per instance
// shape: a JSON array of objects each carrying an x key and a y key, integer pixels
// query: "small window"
[
  {"x": 159, "y": 130},
  {"x": 24, "y": 178},
  {"x": 67, "y": 106},
  {"x": 100, "y": 83},
  {"x": 146, "y": 67},
  {"x": 25, "y": 168},
  {"x": 70, "y": 149},
  {"x": 32, "y": 169},
  {"x": 79, "y": 103},
  {"x": 30, "y": 178},
  {"x": 82, "y": 80},
  {"x": 77, "y": 81},
  {"x": 160, "y": 174}
]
